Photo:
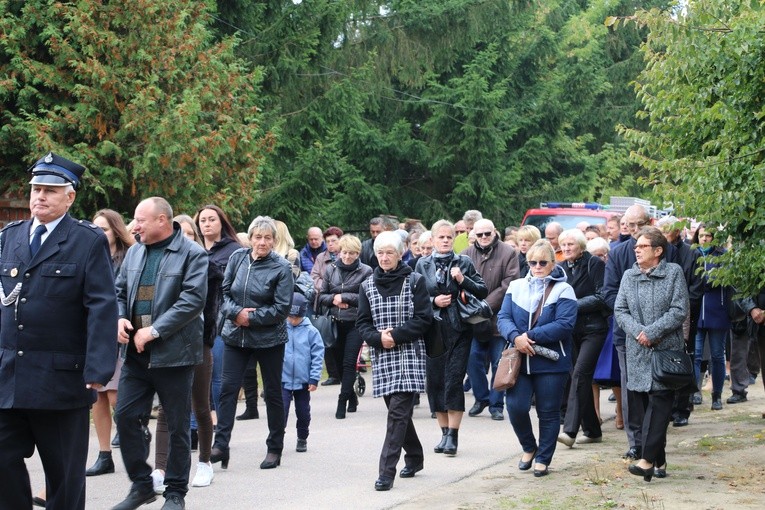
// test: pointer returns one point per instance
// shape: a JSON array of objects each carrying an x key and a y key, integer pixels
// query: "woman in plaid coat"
[{"x": 394, "y": 312}]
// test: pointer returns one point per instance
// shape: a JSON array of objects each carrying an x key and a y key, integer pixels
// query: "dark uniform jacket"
[
  {"x": 61, "y": 332},
  {"x": 180, "y": 293}
]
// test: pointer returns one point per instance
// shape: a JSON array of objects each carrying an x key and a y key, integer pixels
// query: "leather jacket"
[
  {"x": 265, "y": 284},
  {"x": 180, "y": 292},
  {"x": 347, "y": 284}
]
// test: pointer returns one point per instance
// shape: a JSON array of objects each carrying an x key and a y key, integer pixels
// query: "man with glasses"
[{"x": 497, "y": 263}]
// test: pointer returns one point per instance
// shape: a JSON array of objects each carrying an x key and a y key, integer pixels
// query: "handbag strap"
[{"x": 535, "y": 318}]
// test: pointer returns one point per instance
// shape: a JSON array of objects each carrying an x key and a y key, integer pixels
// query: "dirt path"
[{"x": 717, "y": 462}]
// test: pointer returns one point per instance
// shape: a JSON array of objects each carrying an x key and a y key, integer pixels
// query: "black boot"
[
  {"x": 439, "y": 448},
  {"x": 341, "y": 403},
  {"x": 450, "y": 447},
  {"x": 103, "y": 465},
  {"x": 353, "y": 403}
]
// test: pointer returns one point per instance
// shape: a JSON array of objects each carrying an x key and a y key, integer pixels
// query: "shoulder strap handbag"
[{"x": 535, "y": 318}]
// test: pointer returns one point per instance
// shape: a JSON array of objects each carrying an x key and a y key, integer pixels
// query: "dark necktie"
[{"x": 34, "y": 246}]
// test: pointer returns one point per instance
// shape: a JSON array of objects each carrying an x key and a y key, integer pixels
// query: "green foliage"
[
  {"x": 139, "y": 93},
  {"x": 703, "y": 91}
]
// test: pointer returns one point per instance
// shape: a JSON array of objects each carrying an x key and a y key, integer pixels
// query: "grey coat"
[{"x": 656, "y": 303}]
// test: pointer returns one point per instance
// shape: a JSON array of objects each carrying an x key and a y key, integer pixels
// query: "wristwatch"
[{"x": 154, "y": 333}]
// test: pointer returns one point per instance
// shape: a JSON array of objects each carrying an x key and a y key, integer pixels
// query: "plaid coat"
[{"x": 407, "y": 311}]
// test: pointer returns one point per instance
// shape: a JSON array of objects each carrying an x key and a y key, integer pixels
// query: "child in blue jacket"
[{"x": 303, "y": 358}]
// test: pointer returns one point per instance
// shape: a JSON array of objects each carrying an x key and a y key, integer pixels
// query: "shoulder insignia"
[{"x": 13, "y": 224}]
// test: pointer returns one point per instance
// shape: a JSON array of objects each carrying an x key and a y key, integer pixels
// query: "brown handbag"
[{"x": 509, "y": 367}]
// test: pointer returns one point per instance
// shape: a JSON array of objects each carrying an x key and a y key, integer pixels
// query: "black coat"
[{"x": 62, "y": 331}]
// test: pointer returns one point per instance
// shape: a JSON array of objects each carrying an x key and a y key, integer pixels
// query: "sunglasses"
[
  {"x": 540, "y": 263},
  {"x": 483, "y": 234}
]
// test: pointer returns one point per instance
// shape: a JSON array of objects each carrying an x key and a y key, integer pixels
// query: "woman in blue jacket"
[
  {"x": 545, "y": 289},
  {"x": 713, "y": 320}
]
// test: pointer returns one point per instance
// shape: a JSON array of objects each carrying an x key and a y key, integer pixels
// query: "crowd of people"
[{"x": 199, "y": 312}]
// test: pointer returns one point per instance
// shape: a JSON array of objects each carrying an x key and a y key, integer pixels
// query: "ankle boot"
[
  {"x": 450, "y": 447},
  {"x": 439, "y": 448},
  {"x": 353, "y": 403},
  {"x": 103, "y": 465},
  {"x": 341, "y": 403}
]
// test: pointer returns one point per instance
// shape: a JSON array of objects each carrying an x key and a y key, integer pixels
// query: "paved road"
[{"x": 339, "y": 468}]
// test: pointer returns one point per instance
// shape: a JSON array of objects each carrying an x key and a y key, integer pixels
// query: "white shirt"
[{"x": 49, "y": 227}]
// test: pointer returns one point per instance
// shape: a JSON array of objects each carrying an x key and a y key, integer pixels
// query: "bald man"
[{"x": 312, "y": 248}]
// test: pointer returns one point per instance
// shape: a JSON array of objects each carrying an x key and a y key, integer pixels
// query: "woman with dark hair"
[
  {"x": 713, "y": 323},
  {"x": 446, "y": 275},
  {"x": 651, "y": 307},
  {"x": 394, "y": 313},
  {"x": 340, "y": 295},
  {"x": 257, "y": 294},
  {"x": 220, "y": 240},
  {"x": 120, "y": 240}
]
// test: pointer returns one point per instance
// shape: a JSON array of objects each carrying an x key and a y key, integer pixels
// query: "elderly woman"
[
  {"x": 650, "y": 307},
  {"x": 526, "y": 236},
  {"x": 538, "y": 309},
  {"x": 340, "y": 295},
  {"x": 585, "y": 275},
  {"x": 394, "y": 313},
  {"x": 446, "y": 275},
  {"x": 257, "y": 293}
]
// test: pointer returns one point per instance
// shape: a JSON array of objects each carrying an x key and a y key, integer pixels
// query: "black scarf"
[
  {"x": 347, "y": 267},
  {"x": 389, "y": 283},
  {"x": 486, "y": 250}
]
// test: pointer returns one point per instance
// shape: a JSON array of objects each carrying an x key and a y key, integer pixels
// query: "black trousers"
[
  {"x": 346, "y": 354},
  {"x": 581, "y": 404},
  {"x": 400, "y": 434},
  {"x": 235, "y": 360},
  {"x": 61, "y": 438},
  {"x": 446, "y": 374},
  {"x": 250, "y": 385},
  {"x": 134, "y": 400},
  {"x": 655, "y": 410}
]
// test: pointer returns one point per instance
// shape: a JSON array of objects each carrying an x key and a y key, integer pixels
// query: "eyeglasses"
[
  {"x": 642, "y": 246},
  {"x": 483, "y": 234},
  {"x": 636, "y": 225},
  {"x": 540, "y": 263}
]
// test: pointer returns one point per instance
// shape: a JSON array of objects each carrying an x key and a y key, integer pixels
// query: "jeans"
[
  {"x": 482, "y": 353},
  {"x": 134, "y": 399},
  {"x": 717, "y": 352},
  {"x": 270, "y": 360},
  {"x": 217, "y": 372},
  {"x": 548, "y": 389},
  {"x": 302, "y": 409}
]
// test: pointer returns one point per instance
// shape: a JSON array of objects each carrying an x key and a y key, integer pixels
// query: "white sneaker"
[
  {"x": 158, "y": 480},
  {"x": 204, "y": 476}
]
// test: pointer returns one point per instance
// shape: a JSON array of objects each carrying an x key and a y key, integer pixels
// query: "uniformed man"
[{"x": 57, "y": 338}]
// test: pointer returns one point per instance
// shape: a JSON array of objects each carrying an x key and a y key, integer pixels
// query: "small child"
[{"x": 301, "y": 371}]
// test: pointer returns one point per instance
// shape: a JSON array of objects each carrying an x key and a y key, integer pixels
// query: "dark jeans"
[
  {"x": 346, "y": 354},
  {"x": 481, "y": 354},
  {"x": 581, "y": 404},
  {"x": 235, "y": 361},
  {"x": 61, "y": 439},
  {"x": 217, "y": 372},
  {"x": 400, "y": 433},
  {"x": 548, "y": 389},
  {"x": 302, "y": 409},
  {"x": 655, "y": 411},
  {"x": 134, "y": 399},
  {"x": 716, "y": 339},
  {"x": 250, "y": 385}
]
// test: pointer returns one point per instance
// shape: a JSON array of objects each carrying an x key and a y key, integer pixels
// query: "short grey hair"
[
  {"x": 575, "y": 234},
  {"x": 598, "y": 243},
  {"x": 389, "y": 239},
  {"x": 440, "y": 224},
  {"x": 261, "y": 224},
  {"x": 471, "y": 216}
]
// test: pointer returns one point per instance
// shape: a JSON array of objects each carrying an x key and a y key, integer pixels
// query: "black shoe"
[
  {"x": 525, "y": 465},
  {"x": 136, "y": 498},
  {"x": 736, "y": 398},
  {"x": 636, "y": 470},
  {"x": 249, "y": 414},
  {"x": 716, "y": 405},
  {"x": 541, "y": 472},
  {"x": 116, "y": 440},
  {"x": 37, "y": 501},
  {"x": 302, "y": 446},
  {"x": 353, "y": 403},
  {"x": 331, "y": 381},
  {"x": 174, "y": 502},
  {"x": 439, "y": 448},
  {"x": 103, "y": 465},
  {"x": 633, "y": 453},
  {"x": 271, "y": 461},
  {"x": 432, "y": 416},
  {"x": 680, "y": 422},
  {"x": 612, "y": 398},
  {"x": 497, "y": 415},
  {"x": 696, "y": 399},
  {"x": 383, "y": 484},
  {"x": 450, "y": 447},
  {"x": 341, "y": 403},
  {"x": 194, "y": 440},
  {"x": 478, "y": 408},
  {"x": 409, "y": 471},
  {"x": 661, "y": 472},
  {"x": 218, "y": 455}
]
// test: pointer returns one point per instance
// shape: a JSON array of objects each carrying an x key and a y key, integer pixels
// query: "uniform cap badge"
[{"x": 49, "y": 158}]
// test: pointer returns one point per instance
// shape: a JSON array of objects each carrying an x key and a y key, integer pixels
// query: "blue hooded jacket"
[{"x": 303, "y": 356}]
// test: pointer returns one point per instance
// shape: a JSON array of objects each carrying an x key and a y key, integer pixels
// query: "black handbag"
[
  {"x": 435, "y": 337},
  {"x": 472, "y": 309},
  {"x": 325, "y": 323},
  {"x": 673, "y": 369}
]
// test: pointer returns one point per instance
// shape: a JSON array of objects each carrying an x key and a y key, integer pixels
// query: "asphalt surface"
[{"x": 338, "y": 470}]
